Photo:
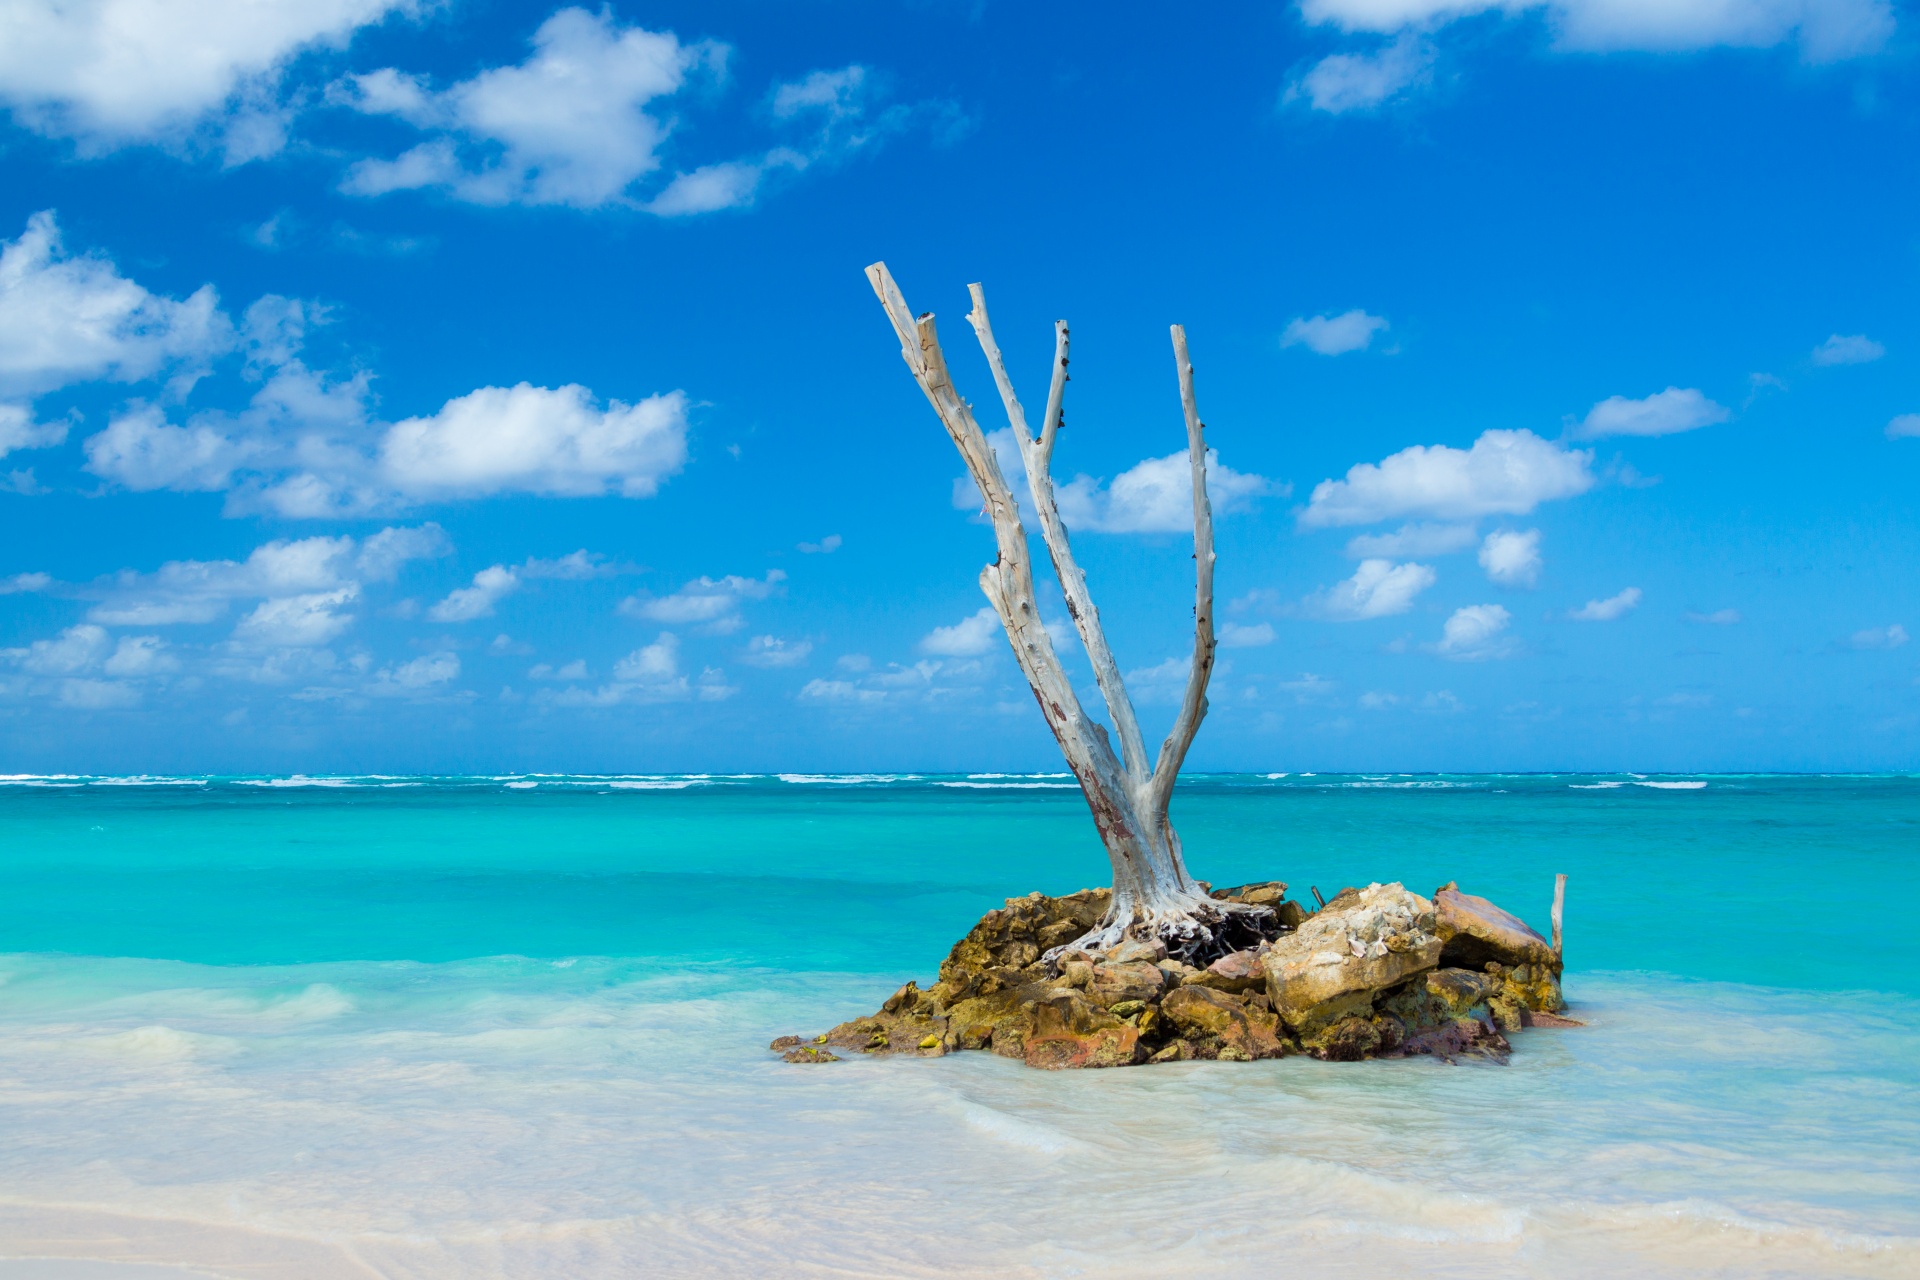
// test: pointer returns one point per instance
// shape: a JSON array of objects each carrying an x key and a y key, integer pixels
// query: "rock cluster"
[{"x": 1377, "y": 972}]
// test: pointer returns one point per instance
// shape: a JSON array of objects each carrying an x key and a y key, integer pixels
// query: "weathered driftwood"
[
  {"x": 1153, "y": 895},
  {"x": 1559, "y": 901}
]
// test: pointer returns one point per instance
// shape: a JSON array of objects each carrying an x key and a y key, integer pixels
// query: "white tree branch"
[
  {"x": 1193, "y": 706},
  {"x": 1073, "y": 579}
]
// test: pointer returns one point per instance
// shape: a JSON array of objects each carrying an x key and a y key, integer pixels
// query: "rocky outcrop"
[{"x": 1376, "y": 972}]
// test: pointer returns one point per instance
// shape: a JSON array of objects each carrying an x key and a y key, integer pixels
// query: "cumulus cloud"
[
  {"x": 1889, "y": 637},
  {"x": 1504, "y": 473},
  {"x": 1344, "y": 82},
  {"x": 1475, "y": 633},
  {"x": 74, "y": 650},
  {"x": 1334, "y": 335},
  {"x": 67, "y": 319},
  {"x": 713, "y": 604},
  {"x": 531, "y": 439},
  {"x": 1617, "y": 606},
  {"x": 112, "y": 72},
  {"x": 1825, "y": 30},
  {"x": 24, "y": 582},
  {"x": 1904, "y": 426},
  {"x": 650, "y": 674},
  {"x": 464, "y": 604},
  {"x": 427, "y": 672},
  {"x": 297, "y": 622},
  {"x": 200, "y": 591},
  {"x": 825, "y": 547},
  {"x": 18, "y": 430},
  {"x": 138, "y": 656},
  {"x": 141, "y": 451},
  {"x": 570, "y": 125},
  {"x": 1855, "y": 348},
  {"x": 1512, "y": 558},
  {"x": 771, "y": 651},
  {"x": 584, "y": 119},
  {"x": 1377, "y": 589},
  {"x": 971, "y": 636},
  {"x": 1240, "y": 635},
  {"x": 1413, "y": 540},
  {"x": 1154, "y": 496},
  {"x": 1664, "y": 413}
]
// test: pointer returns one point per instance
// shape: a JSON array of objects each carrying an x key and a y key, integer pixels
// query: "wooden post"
[{"x": 1559, "y": 901}]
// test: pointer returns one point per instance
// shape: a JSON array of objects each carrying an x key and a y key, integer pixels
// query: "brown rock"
[
  {"x": 1129, "y": 952},
  {"x": 1476, "y": 931},
  {"x": 1109, "y": 984},
  {"x": 1236, "y": 971},
  {"x": 1348, "y": 1040},
  {"x": 1364, "y": 942},
  {"x": 1106, "y": 1047},
  {"x": 786, "y": 1042},
  {"x": 810, "y": 1053}
]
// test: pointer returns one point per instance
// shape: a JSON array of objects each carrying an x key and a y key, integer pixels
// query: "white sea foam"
[
  {"x": 1011, "y": 786},
  {"x": 1670, "y": 786},
  {"x": 298, "y": 780},
  {"x": 597, "y": 1119},
  {"x": 650, "y": 784},
  {"x": 1605, "y": 785},
  {"x": 846, "y": 779},
  {"x": 520, "y": 784}
]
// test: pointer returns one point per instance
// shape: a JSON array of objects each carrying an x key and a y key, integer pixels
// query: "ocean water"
[{"x": 515, "y": 1027}]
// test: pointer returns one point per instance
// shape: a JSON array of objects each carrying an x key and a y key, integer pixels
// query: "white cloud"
[
  {"x": 141, "y": 656},
  {"x": 1664, "y": 413},
  {"x": 1512, "y": 558},
  {"x": 111, "y": 72},
  {"x": 385, "y": 553},
  {"x": 1334, "y": 335},
  {"x": 1855, "y": 348},
  {"x": 140, "y": 451},
  {"x": 66, "y": 319},
  {"x": 650, "y": 674},
  {"x": 529, "y": 439},
  {"x": 1476, "y": 633},
  {"x": 464, "y": 604},
  {"x": 297, "y": 622},
  {"x": 1904, "y": 426},
  {"x": 1890, "y": 637},
  {"x": 1378, "y": 700},
  {"x": 1239, "y": 635},
  {"x": 1155, "y": 496},
  {"x": 1825, "y": 29},
  {"x": 710, "y": 603},
  {"x": 196, "y": 591},
  {"x": 1609, "y": 609},
  {"x": 424, "y": 672},
  {"x": 22, "y": 582},
  {"x": 1413, "y": 540},
  {"x": 1345, "y": 82},
  {"x": 825, "y": 547},
  {"x": 818, "y": 690},
  {"x": 1504, "y": 473},
  {"x": 971, "y": 636},
  {"x": 18, "y": 430},
  {"x": 570, "y": 125},
  {"x": 771, "y": 651},
  {"x": 1718, "y": 618},
  {"x": 73, "y": 650},
  {"x": 1377, "y": 589},
  {"x": 97, "y": 695}
]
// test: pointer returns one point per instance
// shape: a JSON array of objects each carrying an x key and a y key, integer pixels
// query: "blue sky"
[{"x": 475, "y": 386}]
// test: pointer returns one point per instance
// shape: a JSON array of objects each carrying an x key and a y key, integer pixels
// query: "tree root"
[{"x": 1195, "y": 933}]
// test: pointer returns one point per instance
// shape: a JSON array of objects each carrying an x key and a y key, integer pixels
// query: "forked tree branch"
[
  {"x": 1008, "y": 582},
  {"x": 1034, "y": 456},
  {"x": 1193, "y": 707}
]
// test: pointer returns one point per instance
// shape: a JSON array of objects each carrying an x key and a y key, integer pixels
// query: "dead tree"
[{"x": 1153, "y": 896}]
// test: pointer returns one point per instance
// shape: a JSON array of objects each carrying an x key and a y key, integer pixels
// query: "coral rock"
[
  {"x": 1363, "y": 942},
  {"x": 1476, "y": 931}
]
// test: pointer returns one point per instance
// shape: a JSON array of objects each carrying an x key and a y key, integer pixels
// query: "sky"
[{"x": 468, "y": 386}]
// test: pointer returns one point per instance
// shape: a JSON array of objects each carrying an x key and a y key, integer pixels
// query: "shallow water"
[{"x": 473, "y": 1028}]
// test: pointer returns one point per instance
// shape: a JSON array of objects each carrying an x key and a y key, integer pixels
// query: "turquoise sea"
[{"x": 516, "y": 1027}]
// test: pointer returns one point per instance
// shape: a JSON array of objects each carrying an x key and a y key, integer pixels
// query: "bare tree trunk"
[{"x": 1153, "y": 896}]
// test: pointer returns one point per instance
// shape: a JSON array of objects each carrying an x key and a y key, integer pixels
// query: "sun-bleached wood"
[
  {"x": 1152, "y": 893},
  {"x": 1559, "y": 903}
]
